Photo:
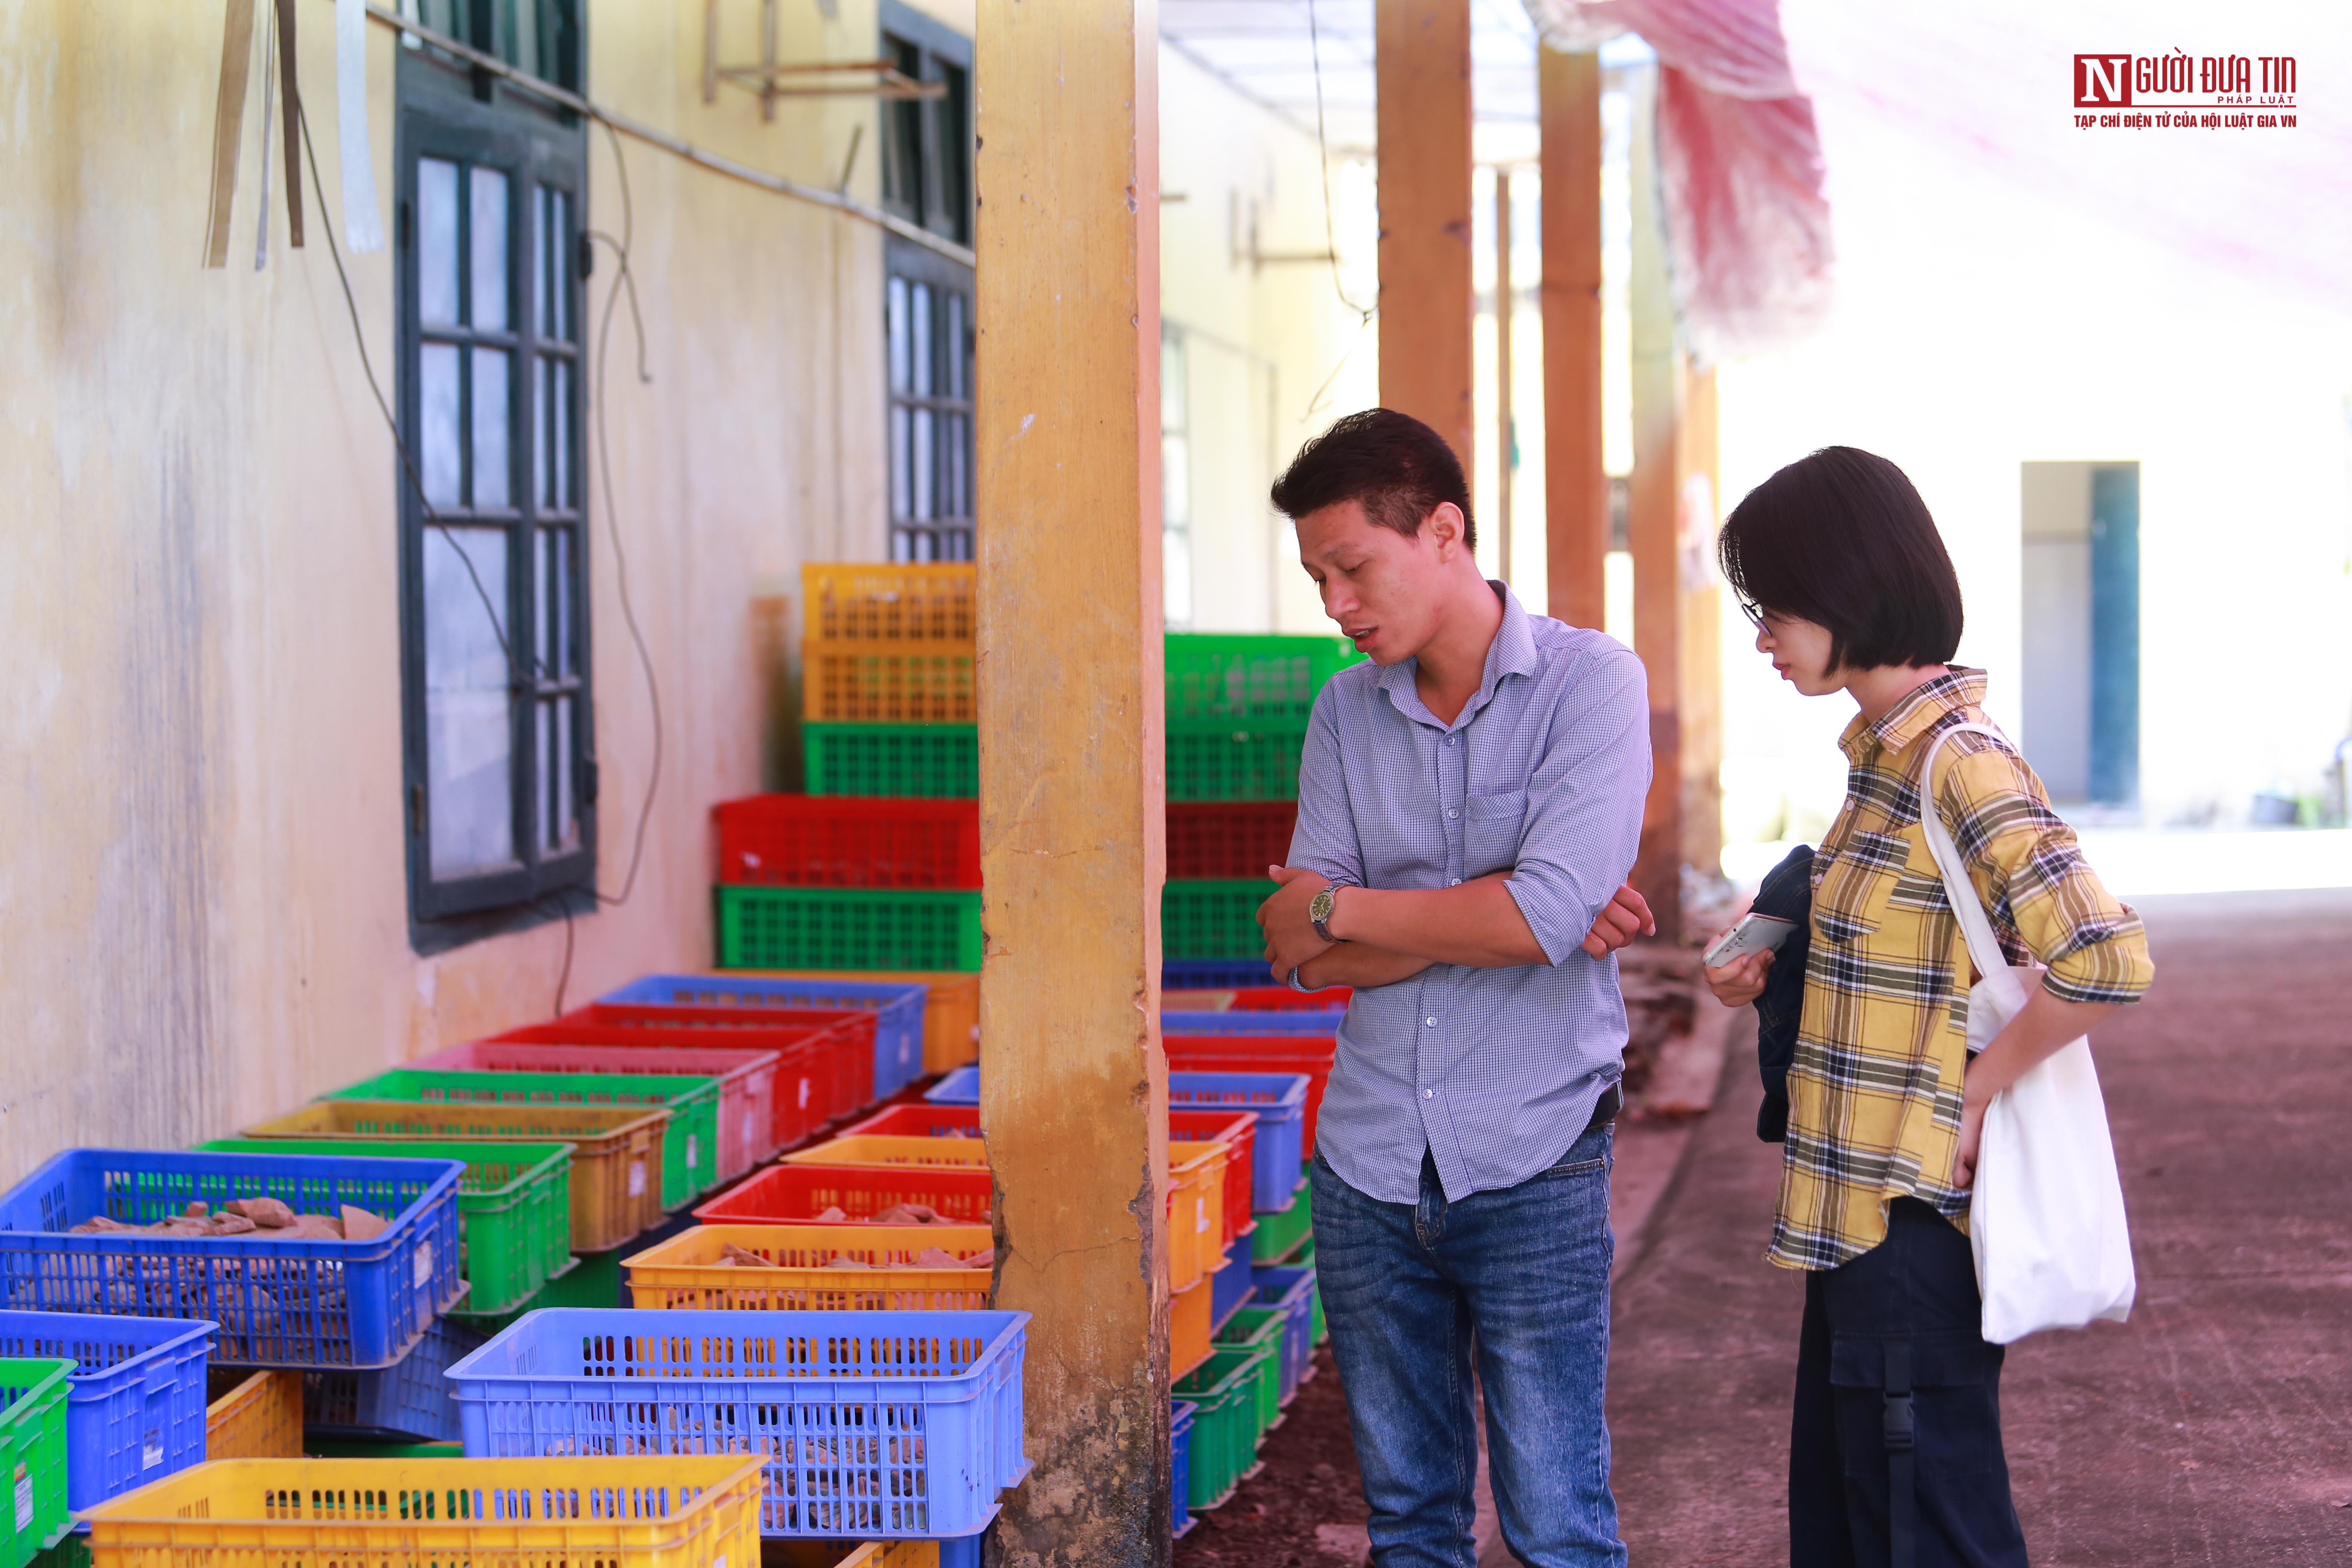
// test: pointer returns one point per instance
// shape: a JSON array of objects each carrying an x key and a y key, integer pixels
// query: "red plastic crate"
[
  {"x": 1282, "y": 999},
  {"x": 826, "y": 1057},
  {"x": 797, "y": 1195},
  {"x": 1225, "y": 840},
  {"x": 1237, "y": 1128},
  {"x": 848, "y": 841},
  {"x": 746, "y": 1082},
  {"x": 1311, "y": 1055}
]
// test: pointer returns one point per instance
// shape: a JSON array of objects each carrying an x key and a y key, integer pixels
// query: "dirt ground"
[{"x": 2214, "y": 1428}]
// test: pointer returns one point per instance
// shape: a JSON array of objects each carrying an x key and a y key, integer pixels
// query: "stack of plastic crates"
[
  {"x": 1237, "y": 713},
  {"x": 876, "y": 867}
]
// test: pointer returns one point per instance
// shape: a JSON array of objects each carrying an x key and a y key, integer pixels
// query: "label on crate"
[
  {"x": 1200, "y": 1216},
  {"x": 151, "y": 1451},
  {"x": 693, "y": 1150},
  {"x": 804, "y": 1093},
  {"x": 636, "y": 1178},
  {"x": 749, "y": 1123},
  {"x": 422, "y": 1271},
  {"x": 23, "y": 1498}
]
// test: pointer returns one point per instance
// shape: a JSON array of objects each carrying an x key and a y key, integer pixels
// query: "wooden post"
[
  {"x": 1652, "y": 509},
  {"x": 1506, "y": 431},
  {"x": 1422, "y": 65},
  {"x": 1576, "y": 490},
  {"x": 1701, "y": 708},
  {"x": 1075, "y": 1092}
]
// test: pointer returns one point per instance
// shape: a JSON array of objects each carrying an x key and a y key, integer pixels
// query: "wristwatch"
[{"x": 1318, "y": 911}]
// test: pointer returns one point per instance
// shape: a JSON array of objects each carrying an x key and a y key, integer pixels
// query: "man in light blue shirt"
[{"x": 1469, "y": 803}]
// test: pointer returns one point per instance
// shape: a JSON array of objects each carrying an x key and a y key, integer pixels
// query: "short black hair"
[
  {"x": 1842, "y": 539},
  {"x": 1397, "y": 467}
]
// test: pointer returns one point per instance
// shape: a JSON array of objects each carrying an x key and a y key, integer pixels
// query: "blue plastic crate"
[
  {"x": 1230, "y": 1288},
  {"x": 963, "y": 1551},
  {"x": 1307, "y": 1024},
  {"x": 898, "y": 1009},
  {"x": 278, "y": 1303},
  {"x": 1214, "y": 973},
  {"x": 134, "y": 1401},
  {"x": 889, "y": 1424},
  {"x": 1180, "y": 1451},
  {"x": 406, "y": 1401},
  {"x": 1293, "y": 1289},
  {"x": 960, "y": 1086},
  {"x": 1280, "y": 1101}
]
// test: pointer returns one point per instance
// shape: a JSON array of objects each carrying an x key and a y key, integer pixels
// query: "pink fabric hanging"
[{"x": 1739, "y": 165}]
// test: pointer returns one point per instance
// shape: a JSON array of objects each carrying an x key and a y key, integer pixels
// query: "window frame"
[{"x": 447, "y": 112}]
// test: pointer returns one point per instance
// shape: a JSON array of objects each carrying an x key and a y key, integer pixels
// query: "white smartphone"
[{"x": 1754, "y": 933}]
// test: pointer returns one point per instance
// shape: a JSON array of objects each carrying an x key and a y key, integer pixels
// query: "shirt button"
[
  {"x": 1429, "y": 1094},
  {"x": 1455, "y": 883},
  {"x": 1451, "y": 814},
  {"x": 1431, "y": 1022},
  {"x": 1451, "y": 739}
]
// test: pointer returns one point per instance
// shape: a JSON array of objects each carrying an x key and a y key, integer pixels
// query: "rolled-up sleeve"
[
  {"x": 1584, "y": 803},
  {"x": 1325, "y": 839},
  {"x": 2028, "y": 869}
]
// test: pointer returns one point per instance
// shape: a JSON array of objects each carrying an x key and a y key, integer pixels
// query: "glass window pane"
[
  {"x": 541, "y": 475},
  {"x": 1176, "y": 577},
  {"x": 895, "y": 316},
  {"x": 543, "y": 579},
  {"x": 488, "y": 189},
  {"x": 542, "y": 271},
  {"x": 543, "y": 756},
  {"x": 560, "y": 267},
  {"x": 566, "y": 816},
  {"x": 959, "y": 486},
  {"x": 1175, "y": 483},
  {"x": 468, "y": 742},
  {"x": 923, "y": 501},
  {"x": 901, "y": 461},
  {"x": 955, "y": 347},
  {"x": 919, "y": 309},
  {"x": 493, "y": 462},
  {"x": 560, "y": 417},
  {"x": 1171, "y": 383},
  {"x": 562, "y": 598},
  {"x": 439, "y": 400},
  {"x": 436, "y": 242}
]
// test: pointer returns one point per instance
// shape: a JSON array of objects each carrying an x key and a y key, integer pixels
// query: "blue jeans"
[{"x": 1518, "y": 1277}]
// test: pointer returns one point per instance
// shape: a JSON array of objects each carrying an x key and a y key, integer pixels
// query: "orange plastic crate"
[
  {"x": 686, "y": 1270},
  {"x": 1237, "y": 1130},
  {"x": 1188, "y": 1328},
  {"x": 257, "y": 1417},
  {"x": 797, "y": 1195}
]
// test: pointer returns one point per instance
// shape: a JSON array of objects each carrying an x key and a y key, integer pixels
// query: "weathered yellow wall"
[{"x": 203, "y": 902}]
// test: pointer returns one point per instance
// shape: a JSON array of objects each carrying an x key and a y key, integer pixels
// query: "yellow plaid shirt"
[{"x": 1875, "y": 1084}]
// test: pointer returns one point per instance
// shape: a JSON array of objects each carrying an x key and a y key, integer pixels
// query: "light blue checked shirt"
[{"x": 1494, "y": 1071}]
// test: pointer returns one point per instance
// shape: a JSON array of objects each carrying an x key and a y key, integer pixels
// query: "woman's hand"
[
  {"x": 1964, "y": 1152},
  {"x": 1737, "y": 984}
]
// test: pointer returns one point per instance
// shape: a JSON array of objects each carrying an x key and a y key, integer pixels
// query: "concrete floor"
[{"x": 2216, "y": 1427}]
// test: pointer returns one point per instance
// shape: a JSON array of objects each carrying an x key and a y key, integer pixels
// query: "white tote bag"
[{"x": 2046, "y": 1217}]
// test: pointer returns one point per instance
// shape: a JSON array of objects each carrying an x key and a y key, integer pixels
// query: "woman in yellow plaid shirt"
[{"x": 1895, "y": 1453}]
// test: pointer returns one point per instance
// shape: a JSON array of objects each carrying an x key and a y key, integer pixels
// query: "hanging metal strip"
[
  {"x": 228, "y": 126},
  {"x": 814, "y": 194}
]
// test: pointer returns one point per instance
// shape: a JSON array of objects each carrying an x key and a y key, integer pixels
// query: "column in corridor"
[
  {"x": 1576, "y": 490},
  {"x": 1075, "y": 1092},
  {"x": 1421, "y": 59},
  {"x": 1653, "y": 511}
]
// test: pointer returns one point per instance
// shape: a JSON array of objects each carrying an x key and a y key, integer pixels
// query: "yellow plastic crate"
[
  {"x": 884, "y": 1149},
  {"x": 259, "y": 1417},
  {"x": 1196, "y": 1211},
  {"x": 673, "y": 1511},
  {"x": 684, "y": 1272},
  {"x": 873, "y": 1554},
  {"x": 1189, "y": 1325},
  {"x": 874, "y": 602},
  {"x": 889, "y": 682}
]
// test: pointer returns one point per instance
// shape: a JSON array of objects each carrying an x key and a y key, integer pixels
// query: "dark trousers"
[{"x": 1893, "y": 1377}]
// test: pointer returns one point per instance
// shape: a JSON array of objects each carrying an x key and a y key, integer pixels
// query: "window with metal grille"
[{"x": 499, "y": 759}]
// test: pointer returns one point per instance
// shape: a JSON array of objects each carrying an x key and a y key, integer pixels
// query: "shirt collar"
[
  {"x": 1959, "y": 686},
  {"x": 1513, "y": 652}
]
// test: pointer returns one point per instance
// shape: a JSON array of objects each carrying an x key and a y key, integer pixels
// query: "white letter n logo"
[{"x": 2102, "y": 81}]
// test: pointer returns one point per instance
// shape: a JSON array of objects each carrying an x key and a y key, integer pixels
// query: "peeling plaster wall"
[{"x": 202, "y": 898}]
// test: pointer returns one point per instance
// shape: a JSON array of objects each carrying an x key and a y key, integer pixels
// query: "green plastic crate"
[
  {"x": 932, "y": 762},
  {"x": 72, "y": 1551},
  {"x": 1280, "y": 1231},
  {"x": 1212, "y": 920},
  {"x": 689, "y": 1155},
  {"x": 1216, "y": 679},
  {"x": 514, "y": 1204},
  {"x": 1260, "y": 1328},
  {"x": 931, "y": 929},
  {"x": 33, "y": 1514},
  {"x": 1259, "y": 762},
  {"x": 1225, "y": 1389}
]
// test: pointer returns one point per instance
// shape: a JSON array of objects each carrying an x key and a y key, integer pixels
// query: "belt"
[{"x": 1611, "y": 1101}]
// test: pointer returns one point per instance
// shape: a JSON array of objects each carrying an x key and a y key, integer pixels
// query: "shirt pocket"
[
  {"x": 1851, "y": 901},
  {"x": 1491, "y": 827}
]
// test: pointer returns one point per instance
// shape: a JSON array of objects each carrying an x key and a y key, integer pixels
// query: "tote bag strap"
[{"x": 1984, "y": 948}]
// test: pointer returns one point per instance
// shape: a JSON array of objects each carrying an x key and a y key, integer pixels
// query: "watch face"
[{"x": 1320, "y": 910}]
